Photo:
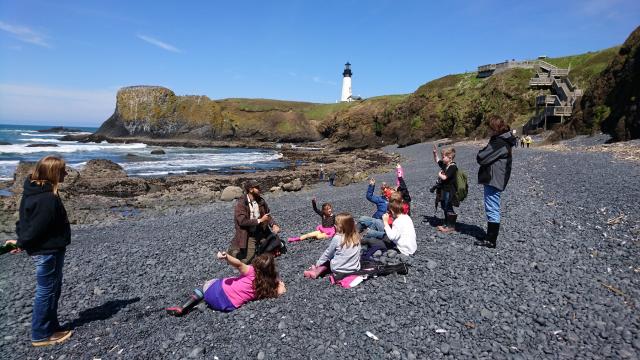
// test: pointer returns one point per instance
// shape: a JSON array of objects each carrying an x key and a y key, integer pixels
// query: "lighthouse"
[{"x": 346, "y": 83}]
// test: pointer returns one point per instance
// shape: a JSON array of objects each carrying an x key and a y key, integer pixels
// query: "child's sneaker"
[
  {"x": 293, "y": 239},
  {"x": 174, "y": 311}
]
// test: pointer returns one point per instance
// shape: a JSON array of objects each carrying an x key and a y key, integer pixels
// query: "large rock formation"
[
  {"x": 612, "y": 103},
  {"x": 455, "y": 106},
  {"x": 156, "y": 112}
]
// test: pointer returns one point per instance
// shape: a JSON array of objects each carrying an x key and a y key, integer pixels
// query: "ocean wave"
[
  {"x": 201, "y": 161},
  {"x": 23, "y": 149},
  {"x": 41, "y": 140},
  {"x": 42, "y": 135}
]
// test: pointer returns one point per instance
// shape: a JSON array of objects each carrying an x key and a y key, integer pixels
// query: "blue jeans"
[
  {"x": 446, "y": 204},
  {"x": 44, "y": 318},
  {"x": 375, "y": 227},
  {"x": 492, "y": 203}
]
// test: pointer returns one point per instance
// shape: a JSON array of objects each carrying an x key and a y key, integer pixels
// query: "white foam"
[
  {"x": 200, "y": 161},
  {"x": 43, "y": 135},
  {"x": 23, "y": 149},
  {"x": 41, "y": 140}
]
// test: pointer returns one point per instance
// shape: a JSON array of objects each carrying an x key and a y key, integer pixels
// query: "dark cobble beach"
[{"x": 564, "y": 281}]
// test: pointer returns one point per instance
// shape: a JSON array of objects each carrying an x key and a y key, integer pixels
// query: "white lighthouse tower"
[{"x": 346, "y": 83}]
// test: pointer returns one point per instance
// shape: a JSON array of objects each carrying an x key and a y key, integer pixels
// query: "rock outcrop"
[
  {"x": 612, "y": 103},
  {"x": 156, "y": 112}
]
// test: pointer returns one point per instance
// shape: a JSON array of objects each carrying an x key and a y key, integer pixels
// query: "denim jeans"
[
  {"x": 446, "y": 204},
  {"x": 492, "y": 203},
  {"x": 44, "y": 318},
  {"x": 375, "y": 227}
]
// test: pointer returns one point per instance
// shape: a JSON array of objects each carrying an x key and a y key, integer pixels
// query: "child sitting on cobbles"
[
  {"x": 256, "y": 281},
  {"x": 342, "y": 256},
  {"x": 326, "y": 229}
]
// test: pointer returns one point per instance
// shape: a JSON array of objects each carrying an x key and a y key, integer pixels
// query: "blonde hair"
[
  {"x": 48, "y": 170},
  {"x": 346, "y": 225},
  {"x": 450, "y": 152}
]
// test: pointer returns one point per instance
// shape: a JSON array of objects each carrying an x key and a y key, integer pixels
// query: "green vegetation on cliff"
[{"x": 452, "y": 106}]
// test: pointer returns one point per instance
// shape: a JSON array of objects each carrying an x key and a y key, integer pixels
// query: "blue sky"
[{"x": 62, "y": 62}]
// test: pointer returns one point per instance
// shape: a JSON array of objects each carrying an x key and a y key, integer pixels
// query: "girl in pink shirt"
[{"x": 256, "y": 281}]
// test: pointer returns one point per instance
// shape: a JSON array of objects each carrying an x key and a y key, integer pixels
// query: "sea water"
[{"x": 135, "y": 158}]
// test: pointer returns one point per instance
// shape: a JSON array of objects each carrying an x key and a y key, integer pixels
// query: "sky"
[{"x": 62, "y": 62}]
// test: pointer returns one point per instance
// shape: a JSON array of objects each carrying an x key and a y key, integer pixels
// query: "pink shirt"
[{"x": 240, "y": 290}]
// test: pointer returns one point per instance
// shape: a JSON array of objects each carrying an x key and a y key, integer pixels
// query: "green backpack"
[{"x": 462, "y": 187}]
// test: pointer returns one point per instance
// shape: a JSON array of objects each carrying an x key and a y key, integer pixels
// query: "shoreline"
[{"x": 102, "y": 192}]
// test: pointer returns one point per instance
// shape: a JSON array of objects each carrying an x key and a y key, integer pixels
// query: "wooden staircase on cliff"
[{"x": 554, "y": 107}]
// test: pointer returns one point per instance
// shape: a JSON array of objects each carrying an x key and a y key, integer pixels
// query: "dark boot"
[
  {"x": 450, "y": 224},
  {"x": 194, "y": 299},
  {"x": 492, "y": 235}
]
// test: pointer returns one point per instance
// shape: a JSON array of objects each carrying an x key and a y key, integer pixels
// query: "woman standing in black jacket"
[
  {"x": 44, "y": 232},
  {"x": 495, "y": 170}
]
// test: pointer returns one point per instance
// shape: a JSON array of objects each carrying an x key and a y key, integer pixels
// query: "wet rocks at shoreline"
[{"x": 99, "y": 191}]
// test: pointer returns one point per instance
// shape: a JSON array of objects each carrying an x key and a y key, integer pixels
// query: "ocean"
[{"x": 135, "y": 158}]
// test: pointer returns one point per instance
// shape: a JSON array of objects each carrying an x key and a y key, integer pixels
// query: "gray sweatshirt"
[
  {"x": 342, "y": 259},
  {"x": 495, "y": 161}
]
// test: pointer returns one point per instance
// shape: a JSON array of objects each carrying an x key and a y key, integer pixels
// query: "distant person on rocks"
[
  {"x": 255, "y": 228},
  {"x": 43, "y": 231},
  {"x": 332, "y": 178},
  {"x": 528, "y": 140},
  {"x": 447, "y": 187},
  {"x": 342, "y": 256},
  {"x": 495, "y": 170},
  {"x": 323, "y": 231},
  {"x": 521, "y": 142},
  {"x": 256, "y": 281}
]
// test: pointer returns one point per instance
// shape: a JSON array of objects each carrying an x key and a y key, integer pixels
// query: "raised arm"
[
  {"x": 242, "y": 268},
  {"x": 399, "y": 174},
  {"x": 436, "y": 158},
  {"x": 315, "y": 207}
]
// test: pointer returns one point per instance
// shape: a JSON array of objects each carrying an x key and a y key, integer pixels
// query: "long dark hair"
[{"x": 266, "y": 281}]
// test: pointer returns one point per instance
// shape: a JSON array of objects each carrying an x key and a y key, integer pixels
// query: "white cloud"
[
  {"x": 44, "y": 104},
  {"x": 158, "y": 43},
  {"x": 25, "y": 34},
  {"x": 319, "y": 80}
]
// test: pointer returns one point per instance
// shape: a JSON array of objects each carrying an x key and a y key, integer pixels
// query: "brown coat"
[{"x": 243, "y": 222}]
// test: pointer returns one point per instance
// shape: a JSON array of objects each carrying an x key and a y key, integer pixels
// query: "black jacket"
[
  {"x": 495, "y": 161},
  {"x": 43, "y": 226}
]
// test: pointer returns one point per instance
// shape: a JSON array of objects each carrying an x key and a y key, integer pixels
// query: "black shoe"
[{"x": 493, "y": 229}]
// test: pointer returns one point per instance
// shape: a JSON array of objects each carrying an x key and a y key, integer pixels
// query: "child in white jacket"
[{"x": 402, "y": 233}]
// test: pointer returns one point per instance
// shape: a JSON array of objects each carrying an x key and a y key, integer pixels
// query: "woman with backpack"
[{"x": 495, "y": 170}]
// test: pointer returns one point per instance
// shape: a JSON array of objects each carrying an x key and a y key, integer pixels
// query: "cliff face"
[
  {"x": 612, "y": 103},
  {"x": 156, "y": 112},
  {"x": 452, "y": 106}
]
